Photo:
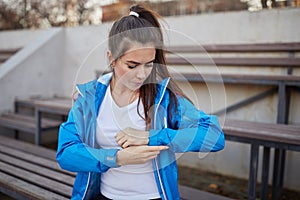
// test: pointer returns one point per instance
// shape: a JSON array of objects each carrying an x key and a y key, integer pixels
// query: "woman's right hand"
[{"x": 138, "y": 154}]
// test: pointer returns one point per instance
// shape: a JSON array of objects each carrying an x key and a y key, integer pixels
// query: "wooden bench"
[
  {"x": 241, "y": 56},
  {"x": 210, "y": 52},
  {"x": 282, "y": 137},
  {"x": 5, "y": 54},
  {"x": 31, "y": 172},
  {"x": 31, "y": 120},
  {"x": 26, "y": 123}
]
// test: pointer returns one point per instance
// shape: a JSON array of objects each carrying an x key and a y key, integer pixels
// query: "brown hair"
[{"x": 144, "y": 29}]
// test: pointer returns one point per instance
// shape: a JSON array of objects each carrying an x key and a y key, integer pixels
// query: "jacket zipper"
[
  {"x": 89, "y": 177},
  {"x": 155, "y": 160}
]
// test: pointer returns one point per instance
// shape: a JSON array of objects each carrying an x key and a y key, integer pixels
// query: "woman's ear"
[{"x": 110, "y": 58}]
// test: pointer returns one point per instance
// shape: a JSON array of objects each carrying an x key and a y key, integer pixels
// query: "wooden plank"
[
  {"x": 235, "y": 61},
  {"x": 4, "y": 57},
  {"x": 38, "y": 180},
  {"x": 20, "y": 189},
  {"x": 55, "y": 106},
  {"x": 188, "y": 193},
  {"x": 26, "y": 123},
  {"x": 37, "y": 169},
  {"x": 239, "y": 78},
  {"x": 9, "y": 51},
  {"x": 23, "y": 125},
  {"x": 281, "y": 133},
  {"x": 51, "y": 105},
  {"x": 33, "y": 159},
  {"x": 47, "y": 123},
  {"x": 28, "y": 148},
  {"x": 292, "y": 129},
  {"x": 236, "y": 48}
]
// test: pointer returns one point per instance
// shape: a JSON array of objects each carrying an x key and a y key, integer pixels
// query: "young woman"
[{"x": 124, "y": 129}]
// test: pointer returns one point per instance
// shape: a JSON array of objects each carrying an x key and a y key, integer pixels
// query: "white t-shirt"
[{"x": 133, "y": 182}]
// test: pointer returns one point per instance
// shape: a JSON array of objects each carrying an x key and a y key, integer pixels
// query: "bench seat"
[
  {"x": 31, "y": 172},
  {"x": 26, "y": 123},
  {"x": 281, "y": 133}
]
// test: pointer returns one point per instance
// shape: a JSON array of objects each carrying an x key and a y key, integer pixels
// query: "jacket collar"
[
  {"x": 83, "y": 89},
  {"x": 105, "y": 79}
]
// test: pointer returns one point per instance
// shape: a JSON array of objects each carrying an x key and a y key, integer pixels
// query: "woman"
[{"x": 124, "y": 129}]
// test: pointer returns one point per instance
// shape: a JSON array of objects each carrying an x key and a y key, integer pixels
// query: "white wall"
[
  {"x": 276, "y": 25},
  {"x": 36, "y": 70},
  {"x": 80, "y": 51},
  {"x": 18, "y": 39},
  {"x": 85, "y": 53}
]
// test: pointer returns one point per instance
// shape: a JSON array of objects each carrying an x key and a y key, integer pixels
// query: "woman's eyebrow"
[{"x": 137, "y": 63}]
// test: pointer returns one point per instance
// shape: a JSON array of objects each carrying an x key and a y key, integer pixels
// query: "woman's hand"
[
  {"x": 132, "y": 137},
  {"x": 138, "y": 154}
]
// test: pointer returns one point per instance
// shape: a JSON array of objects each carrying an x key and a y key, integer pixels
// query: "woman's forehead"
[{"x": 140, "y": 53}]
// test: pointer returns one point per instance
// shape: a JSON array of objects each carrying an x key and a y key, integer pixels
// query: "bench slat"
[
  {"x": 23, "y": 190},
  {"x": 260, "y": 47},
  {"x": 263, "y": 131},
  {"x": 239, "y": 78},
  {"x": 46, "y": 122},
  {"x": 264, "y": 62},
  {"x": 28, "y": 148},
  {"x": 45, "y": 172},
  {"x": 289, "y": 128},
  {"x": 38, "y": 180},
  {"x": 33, "y": 159},
  {"x": 26, "y": 123}
]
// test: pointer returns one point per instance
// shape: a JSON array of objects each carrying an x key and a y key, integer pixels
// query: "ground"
[{"x": 223, "y": 185}]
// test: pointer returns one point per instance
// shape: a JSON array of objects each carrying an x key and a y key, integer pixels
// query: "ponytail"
[{"x": 151, "y": 16}]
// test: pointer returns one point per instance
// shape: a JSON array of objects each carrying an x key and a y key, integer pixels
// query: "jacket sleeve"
[
  {"x": 74, "y": 155},
  {"x": 194, "y": 131}
]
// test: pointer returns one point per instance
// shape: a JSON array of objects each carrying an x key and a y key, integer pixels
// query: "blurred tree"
[{"x": 18, "y": 14}]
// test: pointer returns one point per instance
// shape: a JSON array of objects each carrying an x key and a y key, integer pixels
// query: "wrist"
[{"x": 119, "y": 160}]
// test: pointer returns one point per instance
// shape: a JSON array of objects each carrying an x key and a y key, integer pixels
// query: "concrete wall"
[
  {"x": 18, "y": 39},
  {"x": 36, "y": 70},
  {"x": 276, "y": 25},
  {"x": 85, "y": 53},
  {"x": 74, "y": 54}
]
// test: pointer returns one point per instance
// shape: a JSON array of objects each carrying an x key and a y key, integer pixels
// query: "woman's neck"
[{"x": 122, "y": 95}]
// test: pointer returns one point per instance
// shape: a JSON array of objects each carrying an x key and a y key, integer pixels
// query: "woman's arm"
[
  {"x": 74, "y": 155},
  {"x": 195, "y": 131}
]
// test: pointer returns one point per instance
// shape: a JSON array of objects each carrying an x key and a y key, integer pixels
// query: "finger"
[
  {"x": 125, "y": 145},
  {"x": 122, "y": 141},
  {"x": 157, "y": 148},
  {"x": 118, "y": 136}
]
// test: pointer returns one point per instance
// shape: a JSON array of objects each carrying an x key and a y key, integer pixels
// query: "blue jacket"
[{"x": 189, "y": 130}]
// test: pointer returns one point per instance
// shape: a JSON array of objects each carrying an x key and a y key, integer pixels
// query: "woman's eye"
[{"x": 131, "y": 67}]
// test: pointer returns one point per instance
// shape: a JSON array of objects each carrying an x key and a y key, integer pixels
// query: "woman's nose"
[{"x": 141, "y": 73}]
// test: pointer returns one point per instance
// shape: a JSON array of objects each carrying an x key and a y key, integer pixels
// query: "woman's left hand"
[{"x": 132, "y": 137}]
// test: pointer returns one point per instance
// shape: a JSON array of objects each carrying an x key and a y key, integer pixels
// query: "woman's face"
[{"x": 133, "y": 68}]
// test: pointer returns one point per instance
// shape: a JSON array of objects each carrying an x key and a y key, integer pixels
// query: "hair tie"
[{"x": 133, "y": 13}]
